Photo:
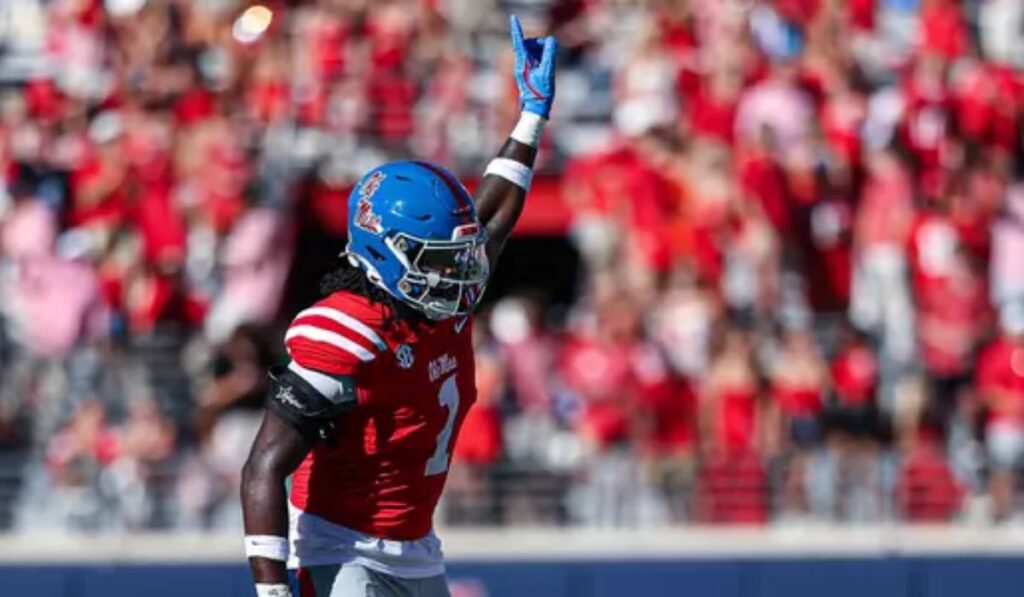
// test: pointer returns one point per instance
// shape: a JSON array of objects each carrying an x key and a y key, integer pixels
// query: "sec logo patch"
[{"x": 405, "y": 356}]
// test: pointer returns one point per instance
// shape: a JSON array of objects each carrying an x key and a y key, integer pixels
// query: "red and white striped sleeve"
[{"x": 332, "y": 339}]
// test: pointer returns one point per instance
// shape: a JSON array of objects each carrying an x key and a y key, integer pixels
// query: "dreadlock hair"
[{"x": 350, "y": 278}]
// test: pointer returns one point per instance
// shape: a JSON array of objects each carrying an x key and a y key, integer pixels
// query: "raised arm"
[{"x": 502, "y": 192}]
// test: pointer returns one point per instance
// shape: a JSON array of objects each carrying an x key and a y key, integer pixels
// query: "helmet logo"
[
  {"x": 369, "y": 188},
  {"x": 365, "y": 218}
]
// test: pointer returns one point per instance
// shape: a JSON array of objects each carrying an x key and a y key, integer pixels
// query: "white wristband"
[
  {"x": 264, "y": 590},
  {"x": 270, "y": 547},
  {"x": 529, "y": 129},
  {"x": 515, "y": 172}
]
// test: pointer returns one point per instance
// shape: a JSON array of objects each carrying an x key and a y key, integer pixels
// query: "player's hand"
[{"x": 535, "y": 70}]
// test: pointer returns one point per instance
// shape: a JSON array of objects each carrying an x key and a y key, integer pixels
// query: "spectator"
[
  {"x": 731, "y": 410},
  {"x": 479, "y": 448},
  {"x": 77, "y": 459},
  {"x": 175, "y": 184},
  {"x": 855, "y": 428},
  {"x": 776, "y": 107},
  {"x": 881, "y": 301},
  {"x": 732, "y": 426},
  {"x": 1006, "y": 272},
  {"x": 799, "y": 380},
  {"x": 1000, "y": 379}
]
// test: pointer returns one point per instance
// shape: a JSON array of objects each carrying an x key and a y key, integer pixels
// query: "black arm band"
[{"x": 302, "y": 406}]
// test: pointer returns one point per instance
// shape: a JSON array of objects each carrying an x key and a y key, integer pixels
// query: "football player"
[{"x": 381, "y": 376}]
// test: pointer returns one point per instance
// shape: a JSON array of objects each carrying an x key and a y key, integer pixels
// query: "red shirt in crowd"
[
  {"x": 737, "y": 419},
  {"x": 667, "y": 406},
  {"x": 986, "y": 100},
  {"x": 855, "y": 375},
  {"x": 925, "y": 123},
  {"x": 942, "y": 29},
  {"x": 841, "y": 121},
  {"x": 480, "y": 441},
  {"x": 712, "y": 114},
  {"x": 797, "y": 399},
  {"x": 934, "y": 242},
  {"x": 1000, "y": 378},
  {"x": 601, "y": 376},
  {"x": 97, "y": 189},
  {"x": 950, "y": 321},
  {"x": 763, "y": 180},
  {"x": 619, "y": 184}
]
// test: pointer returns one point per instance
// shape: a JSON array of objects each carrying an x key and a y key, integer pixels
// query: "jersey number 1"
[{"x": 448, "y": 396}]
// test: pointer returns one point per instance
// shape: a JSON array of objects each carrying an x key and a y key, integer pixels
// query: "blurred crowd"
[{"x": 799, "y": 227}]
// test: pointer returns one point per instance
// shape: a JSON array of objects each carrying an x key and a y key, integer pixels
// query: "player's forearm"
[
  {"x": 277, "y": 451},
  {"x": 501, "y": 196},
  {"x": 264, "y": 507}
]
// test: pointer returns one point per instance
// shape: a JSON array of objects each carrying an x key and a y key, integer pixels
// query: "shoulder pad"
[{"x": 335, "y": 336}]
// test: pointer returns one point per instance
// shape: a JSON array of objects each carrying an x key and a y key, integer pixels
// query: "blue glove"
[{"x": 535, "y": 70}]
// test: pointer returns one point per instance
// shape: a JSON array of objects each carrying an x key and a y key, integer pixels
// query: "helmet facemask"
[{"x": 442, "y": 278}]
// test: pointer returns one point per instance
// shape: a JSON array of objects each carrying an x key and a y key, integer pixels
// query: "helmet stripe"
[{"x": 454, "y": 187}]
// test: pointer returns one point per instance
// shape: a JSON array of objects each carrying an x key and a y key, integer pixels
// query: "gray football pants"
[{"x": 353, "y": 580}]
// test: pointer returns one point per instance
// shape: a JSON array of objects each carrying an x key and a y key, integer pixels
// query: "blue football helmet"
[{"x": 412, "y": 227}]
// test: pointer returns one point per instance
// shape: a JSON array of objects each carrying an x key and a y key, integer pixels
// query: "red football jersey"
[{"x": 383, "y": 472}]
